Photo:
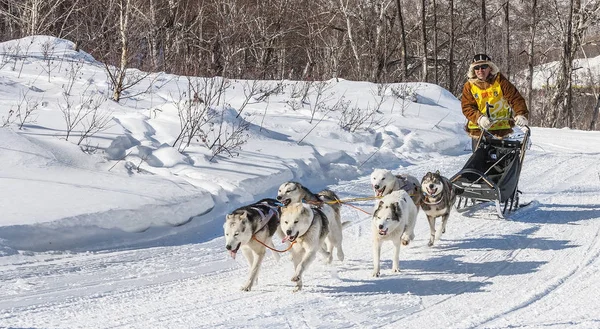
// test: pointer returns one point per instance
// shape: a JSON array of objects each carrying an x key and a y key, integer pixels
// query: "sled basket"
[{"x": 492, "y": 172}]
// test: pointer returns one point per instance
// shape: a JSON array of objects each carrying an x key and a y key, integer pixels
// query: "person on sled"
[{"x": 490, "y": 102}]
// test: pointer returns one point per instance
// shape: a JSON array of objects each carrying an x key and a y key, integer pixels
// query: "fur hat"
[{"x": 480, "y": 59}]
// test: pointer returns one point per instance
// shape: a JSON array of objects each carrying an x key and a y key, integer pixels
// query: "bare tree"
[
  {"x": 531, "y": 53},
  {"x": 404, "y": 56},
  {"x": 505, "y": 7},
  {"x": 424, "y": 74}
]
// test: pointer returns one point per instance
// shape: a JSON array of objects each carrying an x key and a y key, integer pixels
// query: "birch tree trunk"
[
  {"x": 124, "y": 6},
  {"x": 484, "y": 26},
  {"x": 424, "y": 72},
  {"x": 404, "y": 55},
  {"x": 532, "y": 31},
  {"x": 435, "y": 45},
  {"x": 505, "y": 6}
]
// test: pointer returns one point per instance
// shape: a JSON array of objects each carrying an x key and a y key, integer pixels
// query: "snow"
[{"x": 130, "y": 236}]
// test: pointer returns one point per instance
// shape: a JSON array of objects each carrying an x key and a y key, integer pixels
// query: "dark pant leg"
[{"x": 474, "y": 144}]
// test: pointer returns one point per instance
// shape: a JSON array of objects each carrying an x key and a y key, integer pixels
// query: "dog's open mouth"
[
  {"x": 380, "y": 191},
  {"x": 431, "y": 191},
  {"x": 290, "y": 238},
  {"x": 286, "y": 202},
  {"x": 383, "y": 232},
  {"x": 233, "y": 252}
]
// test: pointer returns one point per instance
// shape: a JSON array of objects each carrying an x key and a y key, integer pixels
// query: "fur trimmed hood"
[{"x": 471, "y": 73}]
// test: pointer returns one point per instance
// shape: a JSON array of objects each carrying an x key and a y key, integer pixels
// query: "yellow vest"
[{"x": 492, "y": 99}]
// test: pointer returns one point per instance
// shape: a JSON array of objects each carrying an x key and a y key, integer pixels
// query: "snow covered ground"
[{"x": 131, "y": 235}]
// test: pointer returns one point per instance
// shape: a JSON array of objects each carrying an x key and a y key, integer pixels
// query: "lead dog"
[
  {"x": 306, "y": 228},
  {"x": 293, "y": 192},
  {"x": 389, "y": 223},
  {"x": 385, "y": 182},
  {"x": 245, "y": 225},
  {"x": 438, "y": 197}
]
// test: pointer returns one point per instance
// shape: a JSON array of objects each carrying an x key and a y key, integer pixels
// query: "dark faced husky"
[
  {"x": 385, "y": 182},
  {"x": 438, "y": 197},
  {"x": 306, "y": 228},
  {"x": 244, "y": 226},
  {"x": 293, "y": 192},
  {"x": 390, "y": 223}
]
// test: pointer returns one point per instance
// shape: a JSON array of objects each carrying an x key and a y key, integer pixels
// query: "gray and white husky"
[
  {"x": 293, "y": 192},
  {"x": 438, "y": 197},
  {"x": 247, "y": 224},
  {"x": 390, "y": 219},
  {"x": 385, "y": 182},
  {"x": 306, "y": 228}
]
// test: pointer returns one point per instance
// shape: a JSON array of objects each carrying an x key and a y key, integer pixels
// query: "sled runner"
[{"x": 492, "y": 174}]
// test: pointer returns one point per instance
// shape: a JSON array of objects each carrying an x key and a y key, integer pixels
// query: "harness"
[{"x": 264, "y": 218}]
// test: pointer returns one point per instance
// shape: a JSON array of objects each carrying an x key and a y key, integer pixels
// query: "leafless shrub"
[
  {"x": 318, "y": 100},
  {"x": 73, "y": 73},
  {"x": 226, "y": 137},
  {"x": 406, "y": 93},
  {"x": 48, "y": 56},
  {"x": 194, "y": 108},
  {"x": 122, "y": 79},
  {"x": 9, "y": 119},
  {"x": 250, "y": 90},
  {"x": 355, "y": 118},
  {"x": 88, "y": 148},
  {"x": 300, "y": 90},
  {"x": 23, "y": 56},
  {"x": 270, "y": 89},
  {"x": 97, "y": 120},
  {"x": 26, "y": 109}
]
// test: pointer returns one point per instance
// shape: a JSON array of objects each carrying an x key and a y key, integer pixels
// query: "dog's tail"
[{"x": 330, "y": 198}]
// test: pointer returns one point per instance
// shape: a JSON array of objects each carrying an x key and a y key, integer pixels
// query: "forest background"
[{"x": 381, "y": 41}]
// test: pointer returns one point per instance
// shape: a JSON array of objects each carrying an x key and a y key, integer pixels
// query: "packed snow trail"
[{"x": 532, "y": 270}]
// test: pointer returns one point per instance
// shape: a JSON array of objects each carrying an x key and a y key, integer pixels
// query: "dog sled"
[{"x": 492, "y": 174}]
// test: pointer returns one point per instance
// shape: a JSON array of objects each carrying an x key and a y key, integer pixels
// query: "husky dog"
[
  {"x": 247, "y": 224},
  {"x": 385, "y": 182},
  {"x": 390, "y": 220},
  {"x": 438, "y": 197},
  {"x": 293, "y": 192},
  {"x": 306, "y": 228}
]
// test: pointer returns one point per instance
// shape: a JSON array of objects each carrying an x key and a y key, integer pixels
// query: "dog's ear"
[
  {"x": 437, "y": 172},
  {"x": 244, "y": 215},
  {"x": 378, "y": 207},
  {"x": 396, "y": 209}
]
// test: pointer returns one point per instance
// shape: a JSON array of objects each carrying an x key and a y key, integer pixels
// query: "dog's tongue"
[
  {"x": 380, "y": 192},
  {"x": 232, "y": 253},
  {"x": 286, "y": 238}
]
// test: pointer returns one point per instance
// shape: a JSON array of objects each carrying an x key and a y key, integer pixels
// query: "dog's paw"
[
  {"x": 247, "y": 287},
  {"x": 295, "y": 278},
  {"x": 395, "y": 270},
  {"x": 405, "y": 242},
  {"x": 376, "y": 274},
  {"x": 430, "y": 243}
]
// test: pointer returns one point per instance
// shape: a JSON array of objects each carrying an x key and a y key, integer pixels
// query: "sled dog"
[
  {"x": 389, "y": 223},
  {"x": 385, "y": 182},
  {"x": 306, "y": 228},
  {"x": 438, "y": 197},
  {"x": 245, "y": 225},
  {"x": 292, "y": 192}
]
